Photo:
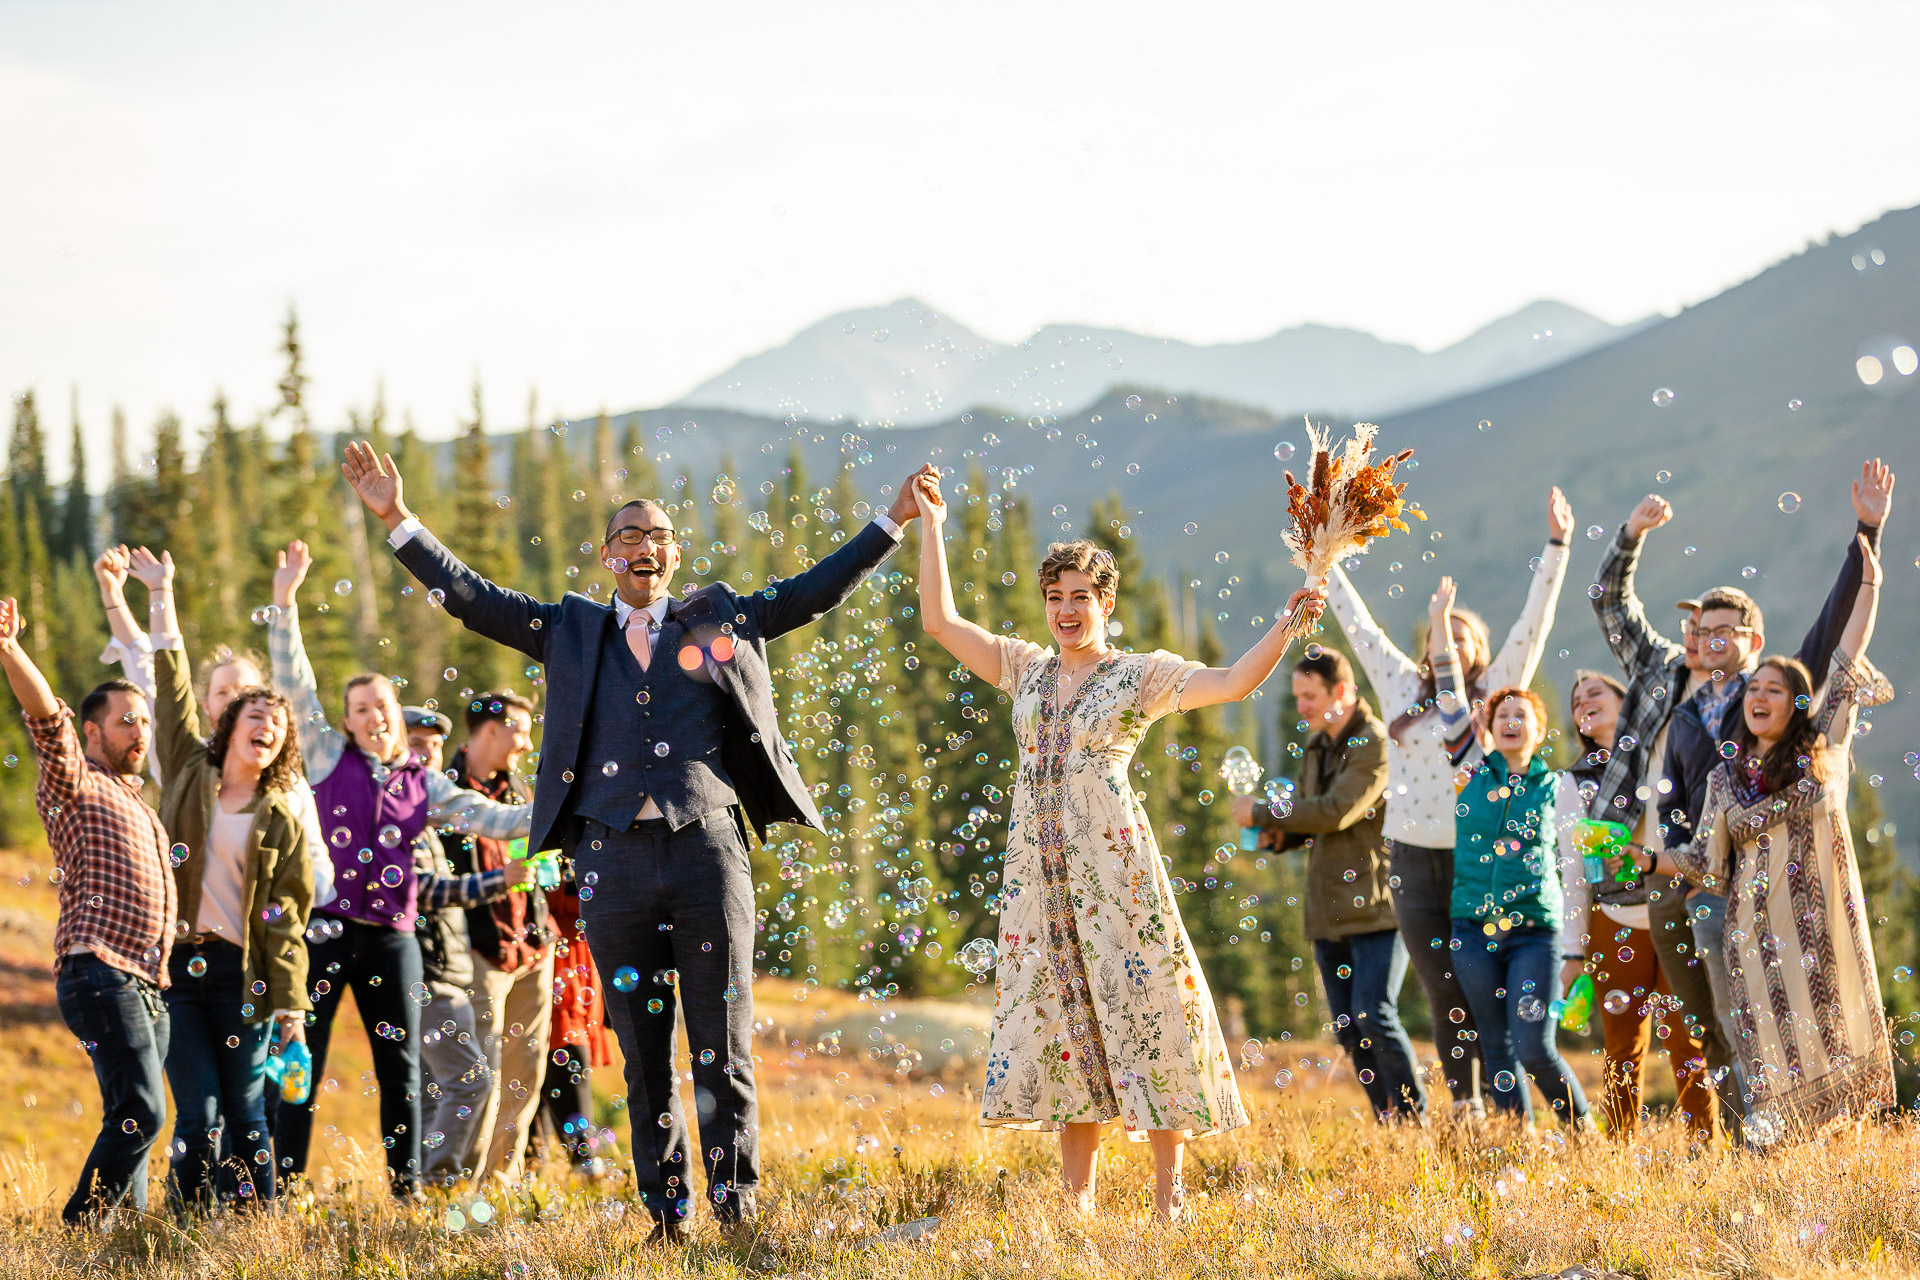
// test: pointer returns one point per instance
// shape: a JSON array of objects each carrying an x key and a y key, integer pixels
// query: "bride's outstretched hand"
[
  {"x": 926, "y": 492},
  {"x": 1312, "y": 601}
]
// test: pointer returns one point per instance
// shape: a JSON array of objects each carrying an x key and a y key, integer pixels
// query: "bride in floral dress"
[{"x": 1100, "y": 1012}]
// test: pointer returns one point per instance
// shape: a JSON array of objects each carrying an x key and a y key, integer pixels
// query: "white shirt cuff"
[
  {"x": 404, "y": 531},
  {"x": 887, "y": 526}
]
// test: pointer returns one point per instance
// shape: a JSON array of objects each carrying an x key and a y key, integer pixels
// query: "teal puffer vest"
[{"x": 1505, "y": 859}]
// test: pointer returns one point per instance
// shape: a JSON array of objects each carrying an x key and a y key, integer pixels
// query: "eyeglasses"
[
  {"x": 631, "y": 537},
  {"x": 1714, "y": 633}
]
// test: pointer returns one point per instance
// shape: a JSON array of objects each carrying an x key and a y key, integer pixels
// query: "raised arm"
[
  {"x": 505, "y": 617},
  {"x": 1872, "y": 499},
  {"x": 1211, "y": 685},
  {"x": 970, "y": 642},
  {"x": 1623, "y": 619},
  {"x": 800, "y": 600},
  {"x": 129, "y": 646},
  {"x": 56, "y": 741},
  {"x": 1395, "y": 677},
  {"x": 1866, "y": 605},
  {"x": 321, "y": 744},
  {"x": 1457, "y": 724},
  {"x": 1519, "y": 657},
  {"x": 29, "y": 686}
]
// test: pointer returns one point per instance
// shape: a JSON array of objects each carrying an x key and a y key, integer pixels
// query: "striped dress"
[{"x": 1805, "y": 992}]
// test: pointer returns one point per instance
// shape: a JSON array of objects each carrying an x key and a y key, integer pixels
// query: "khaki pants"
[{"x": 515, "y": 1015}]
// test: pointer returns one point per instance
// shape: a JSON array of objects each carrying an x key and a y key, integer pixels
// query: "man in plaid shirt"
[{"x": 117, "y": 910}]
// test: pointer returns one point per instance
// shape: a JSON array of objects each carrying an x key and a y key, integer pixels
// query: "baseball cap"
[
  {"x": 1726, "y": 598},
  {"x": 421, "y": 718}
]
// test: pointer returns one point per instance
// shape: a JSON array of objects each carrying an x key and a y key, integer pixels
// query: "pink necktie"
[{"x": 640, "y": 636}]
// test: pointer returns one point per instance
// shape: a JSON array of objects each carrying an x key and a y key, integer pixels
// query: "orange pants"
[{"x": 1627, "y": 964}]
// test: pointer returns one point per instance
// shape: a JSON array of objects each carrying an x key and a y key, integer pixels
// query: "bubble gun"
[
  {"x": 1597, "y": 841},
  {"x": 292, "y": 1070},
  {"x": 546, "y": 865},
  {"x": 1573, "y": 1009}
]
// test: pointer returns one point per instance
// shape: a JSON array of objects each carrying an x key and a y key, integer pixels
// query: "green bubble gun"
[
  {"x": 1573, "y": 1009},
  {"x": 1597, "y": 841},
  {"x": 546, "y": 865}
]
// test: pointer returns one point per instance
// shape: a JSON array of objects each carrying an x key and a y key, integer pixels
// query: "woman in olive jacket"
[{"x": 239, "y": 963}]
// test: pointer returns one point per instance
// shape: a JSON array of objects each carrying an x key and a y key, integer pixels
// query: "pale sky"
[{"x": 611, "y": 203}]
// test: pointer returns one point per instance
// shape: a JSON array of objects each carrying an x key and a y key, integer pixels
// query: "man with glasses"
[
  {"x": 662, "y": 743},
  {"x": 1682, "y": 702}
]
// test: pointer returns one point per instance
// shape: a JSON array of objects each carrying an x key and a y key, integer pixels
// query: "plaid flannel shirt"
[
  {"x": 1656, "y": 671},
  {"x": 116, "y": 891}
]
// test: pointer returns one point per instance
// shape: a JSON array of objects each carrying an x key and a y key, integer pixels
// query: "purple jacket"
[{"x": 371, "y": 825}]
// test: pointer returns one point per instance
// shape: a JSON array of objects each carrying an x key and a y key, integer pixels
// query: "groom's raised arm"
[
  {"x": 794, "y": 602},
  {"x": 506, "y": 617}
]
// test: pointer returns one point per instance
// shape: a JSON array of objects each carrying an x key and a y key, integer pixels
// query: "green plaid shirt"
[{"x": 1656, "y": 671}]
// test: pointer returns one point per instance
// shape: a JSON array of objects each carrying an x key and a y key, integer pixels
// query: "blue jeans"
[
  {"x": 122, "y": 1021},
  {"x": 381, "y": 965},
  {"x": 1366, "y": 1017},
  {"x": 1707, "y": 914},
  {"x": 1510, "y": 979},
  {"x": 217, "y": 1064}
]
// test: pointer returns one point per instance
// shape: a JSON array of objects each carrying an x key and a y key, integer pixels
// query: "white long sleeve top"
[{"x": 1420, "y": 795}]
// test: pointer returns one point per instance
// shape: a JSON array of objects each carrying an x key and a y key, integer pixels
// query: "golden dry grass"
[{"x": 849, "y": 1147}]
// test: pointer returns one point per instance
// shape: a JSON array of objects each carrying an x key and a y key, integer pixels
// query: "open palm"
[{"x": 376, "y": 479}]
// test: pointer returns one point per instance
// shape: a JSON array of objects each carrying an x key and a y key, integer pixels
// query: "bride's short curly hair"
[{"x": 1081, "y": 556}]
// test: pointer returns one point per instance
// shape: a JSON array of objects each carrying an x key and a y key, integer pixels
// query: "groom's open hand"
[
  {"x": 905, "y": 506},
  {"x": 377, "y": 480}
]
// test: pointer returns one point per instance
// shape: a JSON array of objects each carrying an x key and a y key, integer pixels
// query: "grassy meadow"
[{"x": 851, "y": 1146}]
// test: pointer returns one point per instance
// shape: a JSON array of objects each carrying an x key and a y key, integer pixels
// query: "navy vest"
[{"x": 654, "y": 733}]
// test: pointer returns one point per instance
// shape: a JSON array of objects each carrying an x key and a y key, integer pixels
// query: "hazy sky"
[{"x": 613, "y": 203}]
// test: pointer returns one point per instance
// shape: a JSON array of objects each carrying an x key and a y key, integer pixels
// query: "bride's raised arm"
[
  {"x": 1210, "y": 685},
  {"x": 970, "y": 642}
]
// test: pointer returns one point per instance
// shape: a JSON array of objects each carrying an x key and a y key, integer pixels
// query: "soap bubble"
[
  {"x": 389, "y": 837},
  {"x": 1284, "y": 450},
  {"x": 1504, "y": 1082},
  {"x": 344, "y": 587},
  {"x": 1663, "y": 397},
  {"x": 1531, "y": 1009},
  {"x": 1789, "y": 502},
  {"x": 197, "y": 966},
  {"x": 1616, "y": 1002},
  {"x": 626, "y": 978},
  {"x": 978, "y": 956}
]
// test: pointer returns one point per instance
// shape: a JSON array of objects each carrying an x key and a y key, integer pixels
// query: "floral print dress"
[
  {"x": 1805, "y": 994},
  {"x": 1100, "y": 1009}
]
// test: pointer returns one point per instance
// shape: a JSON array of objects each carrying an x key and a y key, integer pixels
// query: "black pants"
[
  {"x": 123, "y": 1023},
  {"x": 679, "y": 901},
  {"x": 1422, "y": 905},
  {"x": 566, "y": 1101},
  {"x": 217, "y": 1064},
  {"x": 380, "y": 964}
]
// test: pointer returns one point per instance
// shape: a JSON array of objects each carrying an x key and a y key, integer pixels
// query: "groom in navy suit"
[{"x": 661, "y": 743}]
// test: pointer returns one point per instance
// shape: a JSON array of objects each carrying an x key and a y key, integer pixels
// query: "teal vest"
[{"x": 1505, "y": 859}]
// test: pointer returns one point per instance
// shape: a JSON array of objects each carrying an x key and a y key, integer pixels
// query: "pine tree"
[
  {"x": 480, "y": 533},
  {"x": 27, "y": 463},
  {"x": 76, "y": 513}
]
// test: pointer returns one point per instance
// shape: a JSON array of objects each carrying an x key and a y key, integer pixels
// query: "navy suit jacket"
[{"x": 566, "y": 638}]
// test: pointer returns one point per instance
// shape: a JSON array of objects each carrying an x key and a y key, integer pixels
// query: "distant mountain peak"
[{"x": 907, "y": 363}]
